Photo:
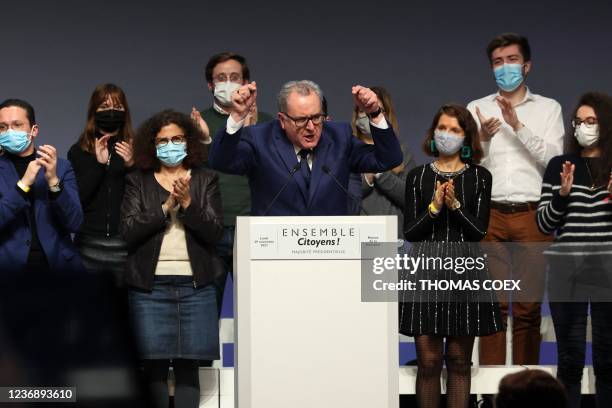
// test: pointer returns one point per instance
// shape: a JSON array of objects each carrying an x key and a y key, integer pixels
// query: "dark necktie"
[{"x": 304, "y": 169}]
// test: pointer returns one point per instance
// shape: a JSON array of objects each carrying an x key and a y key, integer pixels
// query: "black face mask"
[{"x": 109, "y": 120}]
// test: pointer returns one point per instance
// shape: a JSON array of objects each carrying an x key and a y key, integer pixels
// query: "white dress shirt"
[
  {"x": 299, "y": 158},
  {"x": 517, "y": 160}
]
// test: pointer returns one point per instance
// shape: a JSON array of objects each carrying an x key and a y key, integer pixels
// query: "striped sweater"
[{"x": 581, "y": 221}]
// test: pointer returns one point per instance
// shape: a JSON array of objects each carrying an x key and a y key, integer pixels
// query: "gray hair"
[{"x": 303, "y": 87}]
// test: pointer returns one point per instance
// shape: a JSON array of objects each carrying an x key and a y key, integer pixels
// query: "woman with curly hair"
[
  {"x": 171, "y": 218},
  {"x": 576, "y": 205}
]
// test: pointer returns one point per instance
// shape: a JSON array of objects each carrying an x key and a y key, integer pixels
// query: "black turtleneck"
[{"x": 37, "y": 258}]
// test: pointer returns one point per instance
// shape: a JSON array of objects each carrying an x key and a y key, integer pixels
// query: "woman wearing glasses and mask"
[
  {"x": 446, "y": 212},
  {"x": 171, "y": 218},
  {"x": 576, "y": 205},
  {"x": 101, "y": 159}
]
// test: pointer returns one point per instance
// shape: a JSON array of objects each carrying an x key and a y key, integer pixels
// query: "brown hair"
[
  {"x": 530, "y": 389},
  {"x": 467, "y": 123},
  {"x": 385, "y": 98},
  {"x": 222, "y": 57},
  {"x": 506, "y": 39},
  {"x": 99, "y": 95},
  {"x": 145, "y": 153},
  {"x": 601, "y": 103}
]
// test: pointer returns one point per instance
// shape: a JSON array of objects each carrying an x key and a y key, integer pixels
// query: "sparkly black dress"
[{"x": 454, "y": 307}]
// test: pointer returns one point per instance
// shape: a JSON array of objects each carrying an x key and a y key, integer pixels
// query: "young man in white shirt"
[{"x": 520, "y": 132}]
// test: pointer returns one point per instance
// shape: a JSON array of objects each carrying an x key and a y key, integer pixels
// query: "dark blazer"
[
  {"x": 143, "y": 224},
  {"x": 55, "y": 219},
  {"x": 264, "y": 153}
]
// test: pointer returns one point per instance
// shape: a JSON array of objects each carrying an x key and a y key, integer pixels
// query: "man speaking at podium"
[{"x": 300, "y": 163}]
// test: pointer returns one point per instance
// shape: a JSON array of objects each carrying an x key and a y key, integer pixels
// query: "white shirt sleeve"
[
  {"x": 382, "y": 125},
  {"x": 233, "y": 126},
  {"x": 548, "y": 145}
]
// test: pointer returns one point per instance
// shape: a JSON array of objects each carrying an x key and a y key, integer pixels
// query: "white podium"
[{"x": 304, "y": 338}]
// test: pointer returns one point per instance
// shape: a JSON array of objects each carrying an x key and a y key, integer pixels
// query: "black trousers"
[{"x": 570, "y": 281}]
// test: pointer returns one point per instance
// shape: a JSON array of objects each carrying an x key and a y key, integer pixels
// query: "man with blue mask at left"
[
  {"x": 520, "y": 132},
  {"x": 39, "y": 200}
]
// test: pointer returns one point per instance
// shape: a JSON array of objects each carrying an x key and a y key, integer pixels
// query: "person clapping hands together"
[
  {"x": 444, "y": 195},
  {"x": 46, "y": 160}
]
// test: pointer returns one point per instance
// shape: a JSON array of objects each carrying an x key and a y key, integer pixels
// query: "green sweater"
[{"x": 235, "y": 192}]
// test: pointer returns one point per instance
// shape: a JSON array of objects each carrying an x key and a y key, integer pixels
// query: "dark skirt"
[
  {"x": 176, "y": 320},
  {"x": 103, "y": 254},
  {"x": 468, "y": 311}
]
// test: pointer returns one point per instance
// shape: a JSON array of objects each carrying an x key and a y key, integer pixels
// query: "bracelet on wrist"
[
  {"x": 433, "y": 211},
  {"x": 23, "y": 187}
]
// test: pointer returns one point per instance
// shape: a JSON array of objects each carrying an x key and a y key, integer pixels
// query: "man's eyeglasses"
[
  {"x": 232, "y": 78},
  {"x": 589, "y": 122},
  {"x": 163, "y": 141},
  {"x": 303, "y": 120},
  {"x": 14, "y": 125}
]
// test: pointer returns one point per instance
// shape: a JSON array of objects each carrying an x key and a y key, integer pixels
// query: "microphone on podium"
[
  {"x": 328, "y": 171},
  {"x": 291, "y": 173}
]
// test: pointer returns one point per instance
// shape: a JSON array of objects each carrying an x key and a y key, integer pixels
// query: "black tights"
[
  {"x": 429, "y": 351},
  {"x": 186, "y": 382}
]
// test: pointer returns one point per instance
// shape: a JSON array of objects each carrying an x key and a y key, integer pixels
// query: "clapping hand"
[
  {"x": 101, "y": 148},
  {"x": 169, "y": 204},
  {"x": 488, "y": 127},
  {"x": 181, "y": 191},
  {"x": 567, "y": 178},
  {"x": 29, "y": 177},
  {"x": 449, "y": 194},
  {"x": 243, "y": 100},
  {"x": 509, "y": 113},
  {"x": 125, "y": 151},
  {"x": 48, "y": 161},
  {"x": 438, "y": 200},
  {"x": 196, "y": 116}
]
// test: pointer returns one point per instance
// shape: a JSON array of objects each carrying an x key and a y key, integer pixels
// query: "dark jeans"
[{"x": 570, "y": 280}]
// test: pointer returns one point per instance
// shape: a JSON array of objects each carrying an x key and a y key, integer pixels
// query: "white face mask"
[
  {"x": 447, "y": 143},
  {"x": 223, "y": 92},
  {"x": 586, "y": 135},
  {"x": 363, "y": 124}
]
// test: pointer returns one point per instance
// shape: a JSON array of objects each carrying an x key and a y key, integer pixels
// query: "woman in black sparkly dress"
[{"x": 446, "y": 212}]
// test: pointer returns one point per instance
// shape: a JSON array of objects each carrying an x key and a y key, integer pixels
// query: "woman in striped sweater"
[{"x": 576, "y": 205}]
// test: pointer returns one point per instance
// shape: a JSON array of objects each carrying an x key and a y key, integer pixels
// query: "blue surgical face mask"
[
  {"x": 14, "y": 141},
  {"x": 509, "y": 76},
  {"x": 172, "y": 154},
  {"x": 447, "y": 143}
]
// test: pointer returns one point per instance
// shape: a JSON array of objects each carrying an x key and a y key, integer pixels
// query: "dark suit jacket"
[
  {"x": 143, "y": 225},
  {"x": 55, "y": 219},
  {"x": 264, "y": 153}
]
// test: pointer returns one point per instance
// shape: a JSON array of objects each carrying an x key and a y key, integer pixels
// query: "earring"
[
  {"x": 466, "y": 152},
  {"x": 432, "y": 146}
]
